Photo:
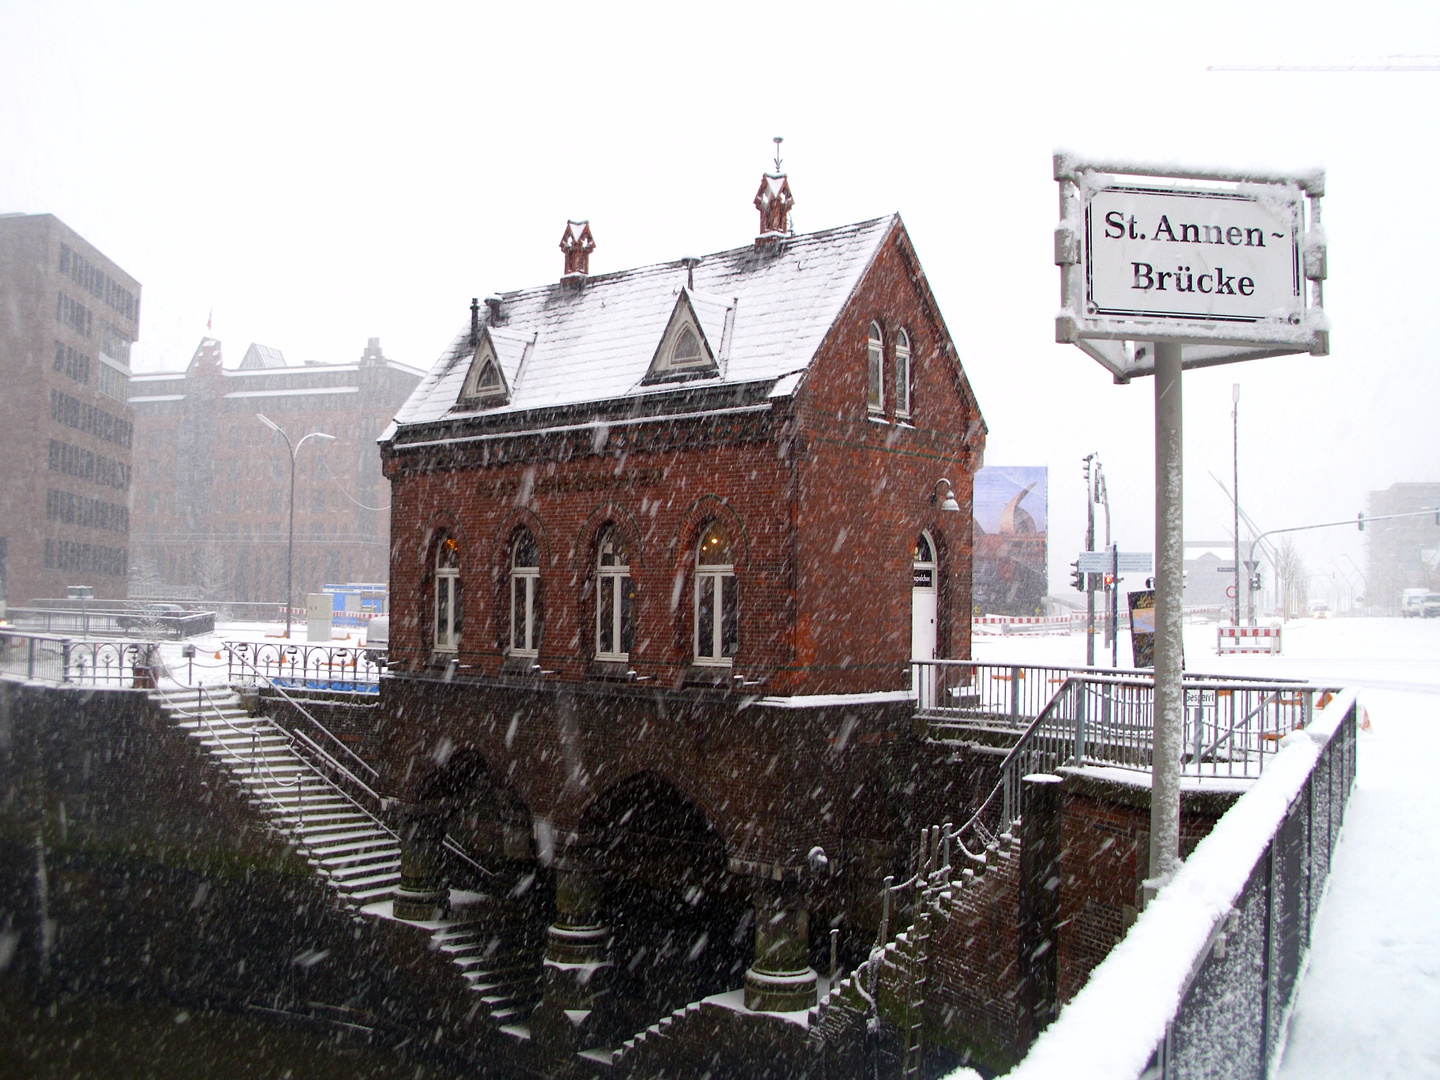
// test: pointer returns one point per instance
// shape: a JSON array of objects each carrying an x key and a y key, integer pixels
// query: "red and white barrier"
[{"x": 1248, "y": 639}]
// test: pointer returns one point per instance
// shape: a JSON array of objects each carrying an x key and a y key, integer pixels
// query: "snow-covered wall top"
[{"x": 596, "y": 343}]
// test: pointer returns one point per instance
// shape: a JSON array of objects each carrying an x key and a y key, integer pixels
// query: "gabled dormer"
[
  {"x": 693, "y": 344},
  {"x": 493, "y": 368}
]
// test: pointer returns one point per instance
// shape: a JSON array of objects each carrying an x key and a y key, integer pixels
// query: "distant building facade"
[
  {"x": 211, "y": 484},
  {"x": 1404, "y": 553},
  {"x": 68, "y": 316}
]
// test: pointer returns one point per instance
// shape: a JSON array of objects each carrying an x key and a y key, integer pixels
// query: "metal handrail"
[
  {"x": 259, "y": 675},
  {"x": 449, "y": 844}
]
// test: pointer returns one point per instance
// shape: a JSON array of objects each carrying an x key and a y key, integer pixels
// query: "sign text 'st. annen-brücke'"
[{"x": 1205, "y": 255}]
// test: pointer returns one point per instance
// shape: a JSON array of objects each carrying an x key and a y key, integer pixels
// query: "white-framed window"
[
  {"x": 717, "y": 613},
  {"x": 875, "y": 356},
  {"x": 902, "y": 374},
  {"x": 615, "y": 599},
  {"x": 447, "y": 596},
  {"x": 525, "y": 614}
]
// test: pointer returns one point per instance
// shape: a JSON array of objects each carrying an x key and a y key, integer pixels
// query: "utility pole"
[{"x": 1089, "y": 546}]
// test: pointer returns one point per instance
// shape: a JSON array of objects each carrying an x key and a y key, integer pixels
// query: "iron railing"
[
  {"x": 54, "y": 658},
  {"x": 305, "y": 667},
  {"x": 105, "y": 620}
]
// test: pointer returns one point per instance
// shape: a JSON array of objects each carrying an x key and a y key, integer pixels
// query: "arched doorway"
[
  {"x": 923, "y": 611},
  {"x": 681, "y": 923}
]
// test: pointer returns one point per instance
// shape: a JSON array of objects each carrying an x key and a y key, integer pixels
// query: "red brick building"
[
  {"x": 212, "y": 482},
  {"x": 664, "y": 542},
  {"x": 713, "y": 471}
]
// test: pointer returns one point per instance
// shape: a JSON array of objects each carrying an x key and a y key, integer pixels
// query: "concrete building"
[
  {"x": 1403, "y": 553},
  {"x": 665, "y": 542},
  {"x": 212, "y": 482},
  {"x": 68, "y": 316}
]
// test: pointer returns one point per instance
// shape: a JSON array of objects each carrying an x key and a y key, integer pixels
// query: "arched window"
[
  {"x": 876, "y": 360},
  {"x": 525, "y": 614},
  {"x": 902, "y": 374},
  {"x": 717, "y": 614},
  {"x": 615, "y": 599},
  {"x": 447, "y": 596},
  {"x": 687, "y": 349}
]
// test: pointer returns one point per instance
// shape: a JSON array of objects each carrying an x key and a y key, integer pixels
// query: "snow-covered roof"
[
  {"x": 262, "y": 356},
  {"x": 596, "y": 343}
]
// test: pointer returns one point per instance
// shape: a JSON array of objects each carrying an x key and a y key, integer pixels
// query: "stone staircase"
[
  {"x": 346, "y": 844},
  {"x": 492, "y": 939}
]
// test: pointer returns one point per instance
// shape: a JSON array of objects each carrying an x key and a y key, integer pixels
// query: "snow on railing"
[
  {"x": 305, "y": 667},
  {"x": 1201, "y": 984},
  {"x": 54, "y": 658}
]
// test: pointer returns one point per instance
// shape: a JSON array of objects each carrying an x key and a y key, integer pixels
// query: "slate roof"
[{"x": 764, "y": 311}]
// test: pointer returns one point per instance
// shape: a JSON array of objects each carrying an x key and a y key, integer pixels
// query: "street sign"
[
  {"x": 1225, "y": 569},
  {"x": 1130, "y": 562},
  {"x": 1228, "y": 264}
]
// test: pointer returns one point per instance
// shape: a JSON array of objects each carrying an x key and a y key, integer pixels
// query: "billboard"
[{"x": 1011, "y": 523}]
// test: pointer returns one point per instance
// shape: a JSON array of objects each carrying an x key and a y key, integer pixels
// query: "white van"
[
  {"x": 1412, "y": 602},
  {"x": 377, "y": 639}
]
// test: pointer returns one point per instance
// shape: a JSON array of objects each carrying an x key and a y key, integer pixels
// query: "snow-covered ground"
[{"x": 1369, "y": 1000}]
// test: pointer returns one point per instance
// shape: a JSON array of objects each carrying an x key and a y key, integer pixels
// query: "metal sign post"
[{"x": 1162, "y": 270}]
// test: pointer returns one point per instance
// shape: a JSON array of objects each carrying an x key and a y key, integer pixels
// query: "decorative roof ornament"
[
  {"x": 577, "y": 243},
  {"x": 774, "y": 201}
]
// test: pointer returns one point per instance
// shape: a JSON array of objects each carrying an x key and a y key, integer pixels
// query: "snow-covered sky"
[{"x": 321, "y": 174}]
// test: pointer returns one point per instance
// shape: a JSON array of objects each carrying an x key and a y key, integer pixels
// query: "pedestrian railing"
[
  {"x": 305, "y": 667},
  {"x": 122, "y": 621},
  {"x": 54, "y": 658}
]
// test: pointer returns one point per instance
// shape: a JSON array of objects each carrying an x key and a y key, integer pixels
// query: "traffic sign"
[{"x": 1126, "y": 562}]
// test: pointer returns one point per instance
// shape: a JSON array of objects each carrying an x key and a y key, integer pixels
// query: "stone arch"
[
  {"x": 681, "y": 922},
  {"x": 485, "y": 815}
]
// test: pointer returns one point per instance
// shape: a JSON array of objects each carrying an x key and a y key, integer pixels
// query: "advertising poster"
[
  {"x": 1142, "y": 628},
  {"x": 1011, "y": 519}
]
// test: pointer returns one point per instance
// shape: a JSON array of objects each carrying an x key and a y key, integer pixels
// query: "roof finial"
[{"x": 778, "y": 140}]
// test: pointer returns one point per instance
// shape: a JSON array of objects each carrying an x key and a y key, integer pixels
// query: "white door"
[{"x": 922, "y": 619}]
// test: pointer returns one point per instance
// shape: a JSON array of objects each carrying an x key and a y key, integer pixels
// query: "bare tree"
[{"x": 1291, "y": 580}]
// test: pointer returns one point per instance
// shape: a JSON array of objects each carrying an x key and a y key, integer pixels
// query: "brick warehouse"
[
  {"x": 663, "y": 544},
  {"x": 211, "y": 482}
]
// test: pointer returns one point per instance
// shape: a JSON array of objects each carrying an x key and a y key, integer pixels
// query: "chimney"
[
  {"x": 577, "y": 244},
  {"x": 496, "y": 313},
  {"x": 474, "y": 321},
  {"x": 774, "y": 201}
]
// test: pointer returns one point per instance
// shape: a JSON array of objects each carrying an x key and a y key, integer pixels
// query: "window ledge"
[
  {"x": 879, "y": 418},
  {"x": 722, "y": 675}
]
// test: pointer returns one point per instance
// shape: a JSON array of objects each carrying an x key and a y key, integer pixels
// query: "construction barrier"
[{"x": 1248, "y": 639}]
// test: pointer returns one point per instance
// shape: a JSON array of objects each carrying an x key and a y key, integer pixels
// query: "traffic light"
[
  {"x": 1077, "y": 578},
  {"x": 1360, "y": 521},
  {"x": 1255, "y": 581}
]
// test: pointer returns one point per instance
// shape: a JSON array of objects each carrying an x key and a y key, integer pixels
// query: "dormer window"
[
  {"x": 689, "y": 347},
  {"x": 486, "y": 383},
  {"x": 687, "y": 350}
]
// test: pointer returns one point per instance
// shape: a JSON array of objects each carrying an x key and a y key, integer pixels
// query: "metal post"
[
  {"x": 1235, "y": 490},
  {"x": 1089, "y": 546},
  {"x": 1169, "y": 581},
  {"x": 1114, "y": 597},
  {"x": 290, "y": 544}
]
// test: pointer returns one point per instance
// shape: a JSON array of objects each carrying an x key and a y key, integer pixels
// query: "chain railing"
[{"x": 305, "y": 667}]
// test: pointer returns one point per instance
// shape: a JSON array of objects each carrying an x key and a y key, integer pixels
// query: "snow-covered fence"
[
  {"x": 54, "y": 658},
  {"x": 115, "y": 619},
  {"x": 304, "y": 667},
  {"x": 1202, "y": 983}
]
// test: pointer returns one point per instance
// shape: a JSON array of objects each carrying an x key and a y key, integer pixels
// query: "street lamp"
[{"x": 294, "y": 449}]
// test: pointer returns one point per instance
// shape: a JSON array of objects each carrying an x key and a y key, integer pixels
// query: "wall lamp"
[{"x": 947, "y": 504}]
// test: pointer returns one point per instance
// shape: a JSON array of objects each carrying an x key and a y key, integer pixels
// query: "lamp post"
[{"x": 294, "y": 449}]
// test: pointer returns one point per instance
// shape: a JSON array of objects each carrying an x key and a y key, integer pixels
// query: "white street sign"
[
  {"x": 1130, "y": 562},
  {"x": 1227, "y": 264},
  {"x": 1212, "y": 256}
]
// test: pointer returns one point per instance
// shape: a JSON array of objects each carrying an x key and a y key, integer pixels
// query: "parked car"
[
  {"x": 1412, "y": 602},
  {"x": 1430, "y": 608}
]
